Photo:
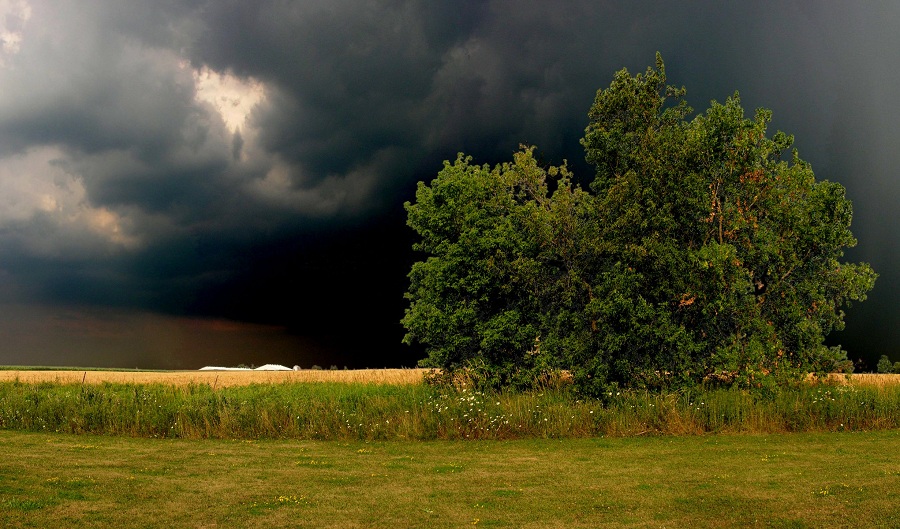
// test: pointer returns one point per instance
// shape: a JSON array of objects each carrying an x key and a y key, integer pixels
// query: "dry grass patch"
[{"x": 219, "y": 378}]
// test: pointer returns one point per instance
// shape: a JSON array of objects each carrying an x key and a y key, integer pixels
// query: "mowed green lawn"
[{"x": 790, "y": 480}]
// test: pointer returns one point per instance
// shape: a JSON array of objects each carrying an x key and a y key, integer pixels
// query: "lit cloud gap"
[
  {"x": 232, "y": 96},
  {"x": 13, "y": 16}
]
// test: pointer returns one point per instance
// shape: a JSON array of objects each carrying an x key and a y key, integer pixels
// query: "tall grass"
[{"x": 367, "y": 411}]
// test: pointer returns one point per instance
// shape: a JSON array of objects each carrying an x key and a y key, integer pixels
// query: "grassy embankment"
[
  {"x": 788, "y": 481},
  {"x": 359, "y": 411}
]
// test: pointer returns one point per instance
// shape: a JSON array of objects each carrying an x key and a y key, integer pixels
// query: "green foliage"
[
  {"x": 885, "y": 366},
  {"x": 700, "y": 253},
  {"x": 738, "y": 250},
  {"x": 502, "y": 267}
]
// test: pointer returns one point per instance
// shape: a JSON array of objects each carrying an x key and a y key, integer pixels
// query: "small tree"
[
  {"x": 884, "y": 365},
  {"x": 700, "y": 252}
]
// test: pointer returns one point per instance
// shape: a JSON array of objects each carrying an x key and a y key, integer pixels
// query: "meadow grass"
[
  {"x": 339, "y": 411},
  {"x": 837, "y": 479}
]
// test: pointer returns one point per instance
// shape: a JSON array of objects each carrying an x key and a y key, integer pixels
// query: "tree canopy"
[{"x": 704, "y": 249}]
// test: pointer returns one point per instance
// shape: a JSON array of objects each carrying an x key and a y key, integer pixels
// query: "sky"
[{"x": 188, "y": 182}]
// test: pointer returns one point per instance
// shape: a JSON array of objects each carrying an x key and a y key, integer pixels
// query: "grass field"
[
  {"x": 237, "y": 451},
  {"x": 776, "y": 481}
]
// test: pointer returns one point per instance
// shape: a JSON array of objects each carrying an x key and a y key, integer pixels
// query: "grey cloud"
[{"x": 87, "y": 86}]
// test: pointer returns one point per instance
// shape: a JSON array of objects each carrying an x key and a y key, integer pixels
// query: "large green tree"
[{"x": 704, "y": 250}]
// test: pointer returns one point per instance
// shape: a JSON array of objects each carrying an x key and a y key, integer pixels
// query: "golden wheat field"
[
  {"x": 867, "y": 379},
  {"x": 218, "y": 378},
  {"x": 244, "y": 378}
]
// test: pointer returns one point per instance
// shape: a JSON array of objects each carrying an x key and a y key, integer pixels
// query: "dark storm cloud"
[
  {"x": 125, "y": 182},
  {"x": 350, "y": 79},
  {"x": 353, "y": 81}
]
